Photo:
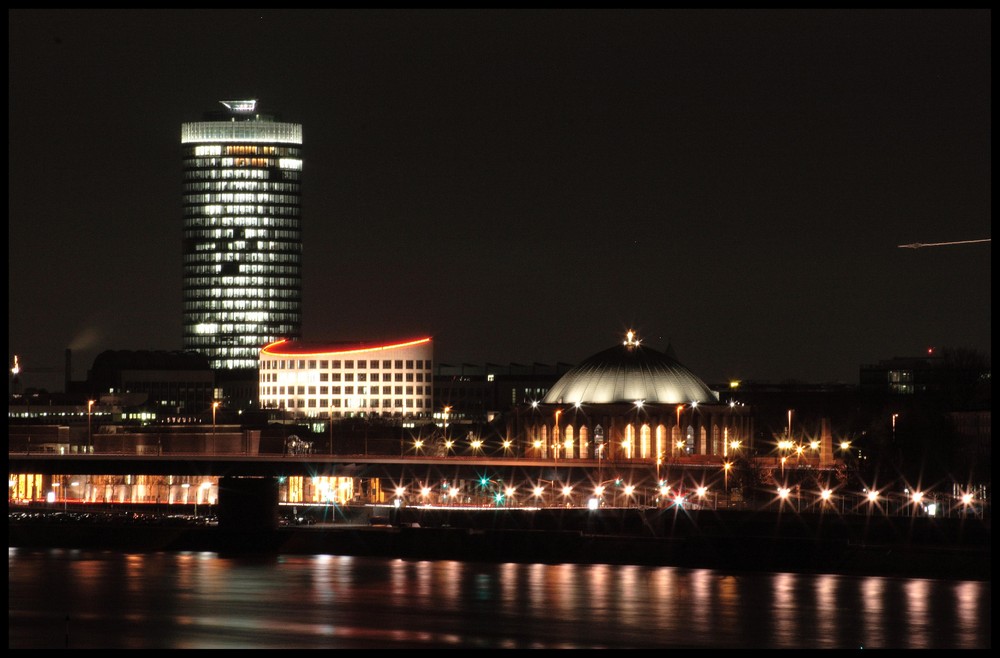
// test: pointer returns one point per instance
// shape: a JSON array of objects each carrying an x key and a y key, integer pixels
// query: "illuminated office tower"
[{"x": 242, "y": 234}]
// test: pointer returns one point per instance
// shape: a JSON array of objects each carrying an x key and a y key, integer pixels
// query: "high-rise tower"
[{"x": 242, "y": 234}]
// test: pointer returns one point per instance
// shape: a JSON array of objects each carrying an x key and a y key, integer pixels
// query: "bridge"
[
  {"x": 316, "y": 465},
  {"x": 248, "y": 485}
]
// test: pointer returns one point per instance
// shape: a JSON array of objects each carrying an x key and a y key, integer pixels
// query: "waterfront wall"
[{"x": 956, "y": 548}]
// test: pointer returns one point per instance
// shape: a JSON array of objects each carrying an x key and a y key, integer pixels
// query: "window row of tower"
[
  {"x": 272, "y": 258},
  {"x": 242, "y": 149},
  {"x": 242, "y": 186},
  {"x": 241, "y": 209}
]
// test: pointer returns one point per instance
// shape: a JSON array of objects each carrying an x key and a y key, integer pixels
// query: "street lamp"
[
  {"x": 204, "y": 488},
  {"x": 628, "y": 491},
  {"x": 56, "y": 485},
  {"x": 555, "y": 437},
  {"x": 215, "y": 406},
  {"x": 680, "y": 435},
  {"x": 510, "y": 492},
  {"x": 90, "y": 436},
  {"x": 825, "y": 495}
]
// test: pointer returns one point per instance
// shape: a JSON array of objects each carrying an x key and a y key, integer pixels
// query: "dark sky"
[{"x": 526, "y": 185}]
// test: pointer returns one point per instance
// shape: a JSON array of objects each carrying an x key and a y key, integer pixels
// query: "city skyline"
[{"x": 526, "y": 186}]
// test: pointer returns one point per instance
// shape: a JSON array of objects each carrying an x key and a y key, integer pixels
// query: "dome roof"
[{"x": 630, "y": 372}]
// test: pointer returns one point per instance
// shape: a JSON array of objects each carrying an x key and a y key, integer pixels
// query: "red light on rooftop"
[{"x": 290, "y": 348}]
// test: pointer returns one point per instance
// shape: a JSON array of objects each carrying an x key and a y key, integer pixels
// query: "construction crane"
[{"x": 920, "y": 245}]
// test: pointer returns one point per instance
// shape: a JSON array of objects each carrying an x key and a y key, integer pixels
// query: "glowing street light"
[
  {"x": 55, "y": 487},
  {"x": 555, "y": 436},
  {"x": 202, "y": 490},
  {"x": 872, "y": 499},
  {"x": 680, "y": 442},
  {"x": 215, "y": 407},
  {"x": 90, "y": 436}
]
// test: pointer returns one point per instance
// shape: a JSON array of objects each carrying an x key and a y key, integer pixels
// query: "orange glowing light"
[{"x": 290, "y": 348}]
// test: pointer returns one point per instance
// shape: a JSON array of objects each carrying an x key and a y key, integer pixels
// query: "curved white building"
[{"x": 344, "y": 379}]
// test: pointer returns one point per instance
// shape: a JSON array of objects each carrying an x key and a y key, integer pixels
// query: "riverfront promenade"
[{"x": 953, "y": 548}]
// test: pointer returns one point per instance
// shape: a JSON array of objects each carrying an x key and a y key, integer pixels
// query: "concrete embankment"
[{"x": 956, "y": 548}]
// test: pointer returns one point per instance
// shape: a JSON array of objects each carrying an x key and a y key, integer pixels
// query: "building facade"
[
  {"x": 479, "y": 392},
  {"x": 347, "y": 379},
  {"x": 242, "y": 241}
]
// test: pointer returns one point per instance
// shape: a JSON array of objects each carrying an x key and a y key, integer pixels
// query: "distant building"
[
  {"x": 347, "y": 379},
  {"x": 479, "y": 392},
  {"x": 901, "y": 376},
  {"x": 954, "y": 379},
  {"x": 813, "y": 407},
  {"x": 163, "y": 382},
  {"x": 242, "y": 238}
]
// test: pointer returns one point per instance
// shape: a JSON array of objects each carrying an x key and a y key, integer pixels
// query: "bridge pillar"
[{"x": 248, "y": 503}]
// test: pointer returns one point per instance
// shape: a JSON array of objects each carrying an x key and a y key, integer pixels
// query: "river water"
[{"x": 76, "y": 599}]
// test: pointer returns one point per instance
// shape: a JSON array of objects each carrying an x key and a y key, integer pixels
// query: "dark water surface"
[{"x": 62, "y": 598}]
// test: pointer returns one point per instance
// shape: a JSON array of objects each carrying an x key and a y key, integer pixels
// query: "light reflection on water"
[{"x": 83, "y": 599}]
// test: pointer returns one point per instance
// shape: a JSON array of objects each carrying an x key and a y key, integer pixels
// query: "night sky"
[{"x": 524, "y": 186}]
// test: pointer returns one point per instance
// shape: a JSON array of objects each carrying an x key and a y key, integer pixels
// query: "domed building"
[{"x": 633, "y": 403}]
